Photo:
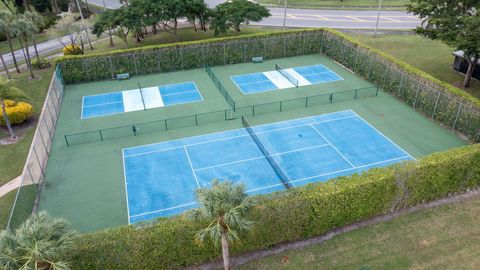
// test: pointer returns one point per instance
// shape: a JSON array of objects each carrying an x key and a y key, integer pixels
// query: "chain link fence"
[{"x": 33, "y": 174}]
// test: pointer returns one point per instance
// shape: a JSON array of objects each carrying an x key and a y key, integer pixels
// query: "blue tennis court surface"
[
  {"x": 273, "y": 80},
  {"x": 161, "y": 178},
  {"x": 140, "y": 99}
]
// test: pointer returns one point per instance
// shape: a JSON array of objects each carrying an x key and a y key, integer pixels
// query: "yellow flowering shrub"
[
  {"x": 17, "y": 112},
  {"x": 72, "y": 49}
]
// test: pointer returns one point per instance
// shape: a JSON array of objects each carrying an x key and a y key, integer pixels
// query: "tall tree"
[
  {"x": 236, "y": 12},
  {"x": 225, "y": 206},
  {"x": 457, "y": 23},
  {"x": 7, "y": 91},
  {"x": 41, "y": 242},
  {"x": 197, "y": 9},
  {"x": 10, "y": 32},
  {"x": 168, "y": 13},
  {"x": 26, "y": 29},
  {"x": 39, "y": 22}
]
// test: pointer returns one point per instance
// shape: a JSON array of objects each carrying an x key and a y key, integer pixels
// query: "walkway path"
[{"x": 12, "y": 185}]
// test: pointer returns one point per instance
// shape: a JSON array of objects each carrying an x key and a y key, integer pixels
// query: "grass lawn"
[
  {"x": 447, "y": 237},
  {"x": 23, "y": 207},
  {"x": 433, "y": 57},
  {"x": 187, "y": 34},
  {"x": 349, "y": 4},
  {"x": 12, "y": 157}
]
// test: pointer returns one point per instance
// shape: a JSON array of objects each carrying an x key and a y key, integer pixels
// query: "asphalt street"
[{"x": 346, "y": 19}]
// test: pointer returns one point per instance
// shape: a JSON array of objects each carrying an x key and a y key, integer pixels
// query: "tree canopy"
[
  {"x": 233, "y": 13},
  {"x": 456, "y": 23}
]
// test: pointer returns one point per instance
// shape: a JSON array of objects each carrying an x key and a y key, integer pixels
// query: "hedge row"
[
  {"x": 287, "y": 216},
  {"x": 189, "y": 55}
]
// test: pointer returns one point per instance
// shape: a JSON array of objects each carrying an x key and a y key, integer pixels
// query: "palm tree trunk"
[
  {"x": 29, "y": 62},
  {"x": 35, "y": 47},
  {"x": 9, "y": 38},
  {"x": 23, "y": 50},
  {"x": 7, "y": 121},
  {"x": 110, "y": 36},
  {"x": 5, "y": 67},
  {"x": 225, "y": 251}
]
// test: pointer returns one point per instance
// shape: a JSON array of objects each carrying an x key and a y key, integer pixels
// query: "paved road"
[
  {"x": 321, "y": 18},
  {"x": 44, "y": 48},
  {"x": 353, "y": 19}
]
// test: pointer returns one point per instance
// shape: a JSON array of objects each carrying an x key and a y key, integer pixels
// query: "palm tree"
[
  {"x": 12, "y": 93},
  {"x": 225, "y": 206},
  {"x": 26, "y": 29},
  {"x": 38, "y": 21},
  {"x": 9, "y": 30},
  {"x": 40, "y": 242}
]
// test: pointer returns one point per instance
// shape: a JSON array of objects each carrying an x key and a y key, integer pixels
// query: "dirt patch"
[{"x": 20, "y": 131}]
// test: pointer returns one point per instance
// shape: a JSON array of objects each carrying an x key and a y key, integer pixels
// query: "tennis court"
[
  {"x": 281, "y": 78},
  {"x": 139, "y": 99},
  {"x": 161, "y": 178}
]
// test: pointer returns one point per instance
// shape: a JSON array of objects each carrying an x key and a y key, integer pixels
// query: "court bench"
[{"x": 122, "y": 76}]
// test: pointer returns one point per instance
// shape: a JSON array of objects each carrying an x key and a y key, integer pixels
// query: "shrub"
[
  {"x": 72, "y": 49},
  {"x": 17, "y": 112},
  {"x": 43, "y": 63},
  {"x": 298, "y": 214}
]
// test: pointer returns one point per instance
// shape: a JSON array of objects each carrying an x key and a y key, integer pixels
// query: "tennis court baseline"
[
  {"x": 161, "y": 178},
  {"x": 281, "y": 78},
  {"x": 140, "y": 99}
]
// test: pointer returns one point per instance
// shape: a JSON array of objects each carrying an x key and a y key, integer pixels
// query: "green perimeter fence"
[
  {"x": 33, "y": 174},
  {"x": 216, "y": 116},
  {"x": 454, "y": 110}
]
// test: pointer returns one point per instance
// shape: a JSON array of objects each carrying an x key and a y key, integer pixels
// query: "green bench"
[
  {"x": 123, "y": 76},
  {"x": 258, "y": 59}
]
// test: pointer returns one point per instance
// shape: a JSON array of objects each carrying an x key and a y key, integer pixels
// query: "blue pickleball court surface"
[
  {"x": 161, "y": 178},
  {"x": 140, "y": 99},
  {"x": 273, "y": 80}
]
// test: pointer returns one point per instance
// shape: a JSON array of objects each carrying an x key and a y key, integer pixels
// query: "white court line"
[
  {"x": 126, "y": 189},
  {"x": 191, "y": 166},
  {"x": 101, "y": 104},
  {"x": 366, "y": 122},
  {"x": 261, "y": 157},
  {"x": 349, "y": 169},
  {"x": 255, "y": 82},
  {"x": 233, "y": 137},
  {"x": 334, "y": 148},
  {"x": 192, "y": 91},
  {"x": 164, "y": 209}
]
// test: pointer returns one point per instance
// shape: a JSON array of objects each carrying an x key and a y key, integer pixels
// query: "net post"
[
  {"x": 331, "y": 98},
  {"x": 66, "y": 140},
  {"x": 101, "y": 135}
]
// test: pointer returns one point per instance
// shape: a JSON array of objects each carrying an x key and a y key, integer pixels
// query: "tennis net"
[
  {"x": 287, "y": 75},
  {"x": 283, "y": 177}
]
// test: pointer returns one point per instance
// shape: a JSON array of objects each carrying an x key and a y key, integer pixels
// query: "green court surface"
[{"x": 85, "y": 183}]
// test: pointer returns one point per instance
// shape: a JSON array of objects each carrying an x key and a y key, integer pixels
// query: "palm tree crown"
[
  {"x": 225, "y": 205},
  {"x": 39, "y": 243}
]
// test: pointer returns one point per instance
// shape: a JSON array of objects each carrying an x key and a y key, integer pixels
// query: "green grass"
[
  {"x": 12, "y": 157},
  {"x": 349, "y": 4},
  {"x": 187, "y": 34},
  {"x": 23, "y": 207},
  {"x": 433, "y": 57},
  {"x": 447, "y": 237}
]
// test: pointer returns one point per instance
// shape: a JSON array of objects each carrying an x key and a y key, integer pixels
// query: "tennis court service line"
[{"x": 334, "y": 148}]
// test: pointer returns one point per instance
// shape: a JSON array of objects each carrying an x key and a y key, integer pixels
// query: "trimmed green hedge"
[
  {"x": 189, "y": 55},
  {"x": 308, "y": 211}
]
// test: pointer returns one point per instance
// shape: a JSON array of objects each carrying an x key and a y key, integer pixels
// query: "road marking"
[
  {"x": 390, "y": 19},
  {"x": 322, "y": 18},
  {"x": 355, "y": 19}
]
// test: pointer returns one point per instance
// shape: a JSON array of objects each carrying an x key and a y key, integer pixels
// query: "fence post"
[
  {"x": 284, "y": 46},
  {"x": 322, "y": 41},
  {"x": 224, "y": 53},
  {"x": 159, "y": 66},
  {"x": 203, "y": 54},
  {"x": 135, "y": 63},
  {"x": 356, "y": 60},
  {"x": 101, "y": 135},
  {"x": 38, "y": 161},
  {"x": 66, "y": 140},
  {"x": 400, "y": 84},
  {"x": 385, "y": 75},
  {"x": 356, "y": 91},
  {"x": 111, "y": 67},
  {"x": 331, "y": 97},
  {"x": 416, "y": 94},
  {"x": 244, "y": 52},
  {"x": 456, "y": 117},
  {"x": 435, "y": 107},
  {"x": 265, "y": 48},
  {"x": 181, "y": 57}
]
